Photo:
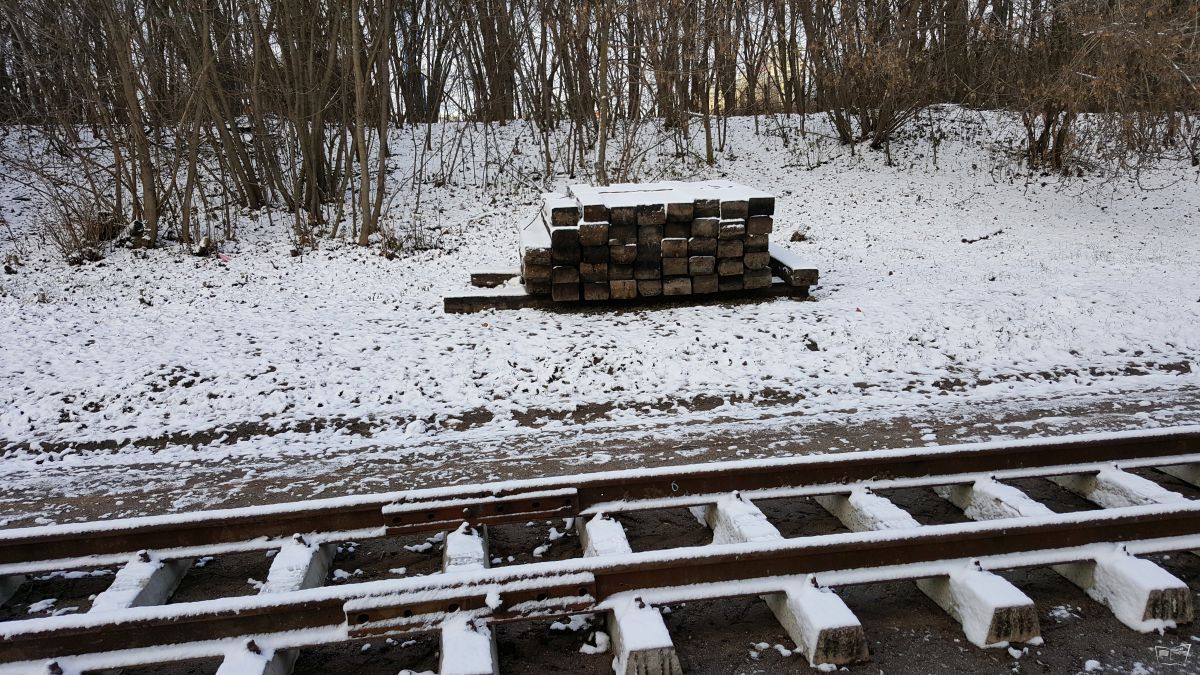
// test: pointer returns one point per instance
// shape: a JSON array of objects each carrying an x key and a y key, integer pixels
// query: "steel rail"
[
  {"x": 523, "y": 515},
  {"x": 432, "y": 510},
  {"x": 534, "y": 590}
]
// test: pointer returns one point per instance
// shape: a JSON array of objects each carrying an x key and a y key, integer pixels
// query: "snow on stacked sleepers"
[{"x": 631, "y": 240}]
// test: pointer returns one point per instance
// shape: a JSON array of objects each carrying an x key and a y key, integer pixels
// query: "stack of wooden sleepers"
[{"x": 643, "y": 240}]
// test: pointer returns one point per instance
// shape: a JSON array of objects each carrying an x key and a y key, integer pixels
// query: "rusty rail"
[{"x": 396, "y": 607}]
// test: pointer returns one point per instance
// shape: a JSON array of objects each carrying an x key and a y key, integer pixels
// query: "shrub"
[{"x": 79, "y": 230}]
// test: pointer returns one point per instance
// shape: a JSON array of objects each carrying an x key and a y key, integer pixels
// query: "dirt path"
[{"x": 107, "y": 484}]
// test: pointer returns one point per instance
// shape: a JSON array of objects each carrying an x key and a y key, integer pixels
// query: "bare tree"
[{"x": 175, "y": 114}]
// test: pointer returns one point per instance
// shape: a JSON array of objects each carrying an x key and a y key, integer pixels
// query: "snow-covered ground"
[{"x": 952, "y": 276}]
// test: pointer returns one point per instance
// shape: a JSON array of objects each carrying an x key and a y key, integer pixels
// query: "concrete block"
[
  {"x": 992, "y": 611},
  {"x": 468, "y": 644},
  {"x": 639, "y": 637},
  {"x": 640, "y": 641},
  {"x": 1113, "y": 488},
  {"x": 468, "y": 647},
  {"x": 145, "y": 580},
  {"x": 822, "y": 626},
  {"x": 1188, "y": 473},
  {"x": 10, "y": 585}
]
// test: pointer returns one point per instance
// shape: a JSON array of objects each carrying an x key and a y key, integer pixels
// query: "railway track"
[{"x": 133, "y": 623}]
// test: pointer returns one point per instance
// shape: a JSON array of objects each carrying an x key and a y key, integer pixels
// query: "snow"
[
  {"x": 663, "y": 192},
  {"x": 472, "y": 646},
  {"x": 828, "y": 609},
  {"x": 789, "y": 258},
  {"x": 426, "y": 545},
  {"x": 637, "y": 194},
  {"x": 299, "y": 564},
  {"x": 806, "y": 611},
  {"x": 1125, "y": 583},
  {"x": 575, "y": 622},
  {"x": 862, "y": 511},
  {"x": 977, "y": 596},
  {"x": 1112, "y": 487},
  {"x": 465, "y": 551},
  {"x": 243, "y": 661},
  {"x": 555, "y": 200},
  {"x": 1082, "y": 287},
  {"x": 988, "y": 499},
  {"x": 604, "y": 536},
  {"x": 40, "y": 606},
  {"x": 602, "y": 642},
  {"x": 533, "y": 233},
  {"x": 736, "y": 520},
  {"x": 640, "y": 627},
  {"x": 1061, "y": 613},
  {"x": 145, "y": 579},
  {"x": 492, "y": 600},
  {"x": 588, "y": 195},
  {"x": 1091, "y": 666}
]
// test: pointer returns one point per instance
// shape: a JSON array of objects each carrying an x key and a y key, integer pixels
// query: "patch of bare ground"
[{"x": 576, "y": 415}]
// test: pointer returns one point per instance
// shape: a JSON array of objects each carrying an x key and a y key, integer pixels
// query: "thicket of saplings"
[{"x": 166, "y": 119}]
